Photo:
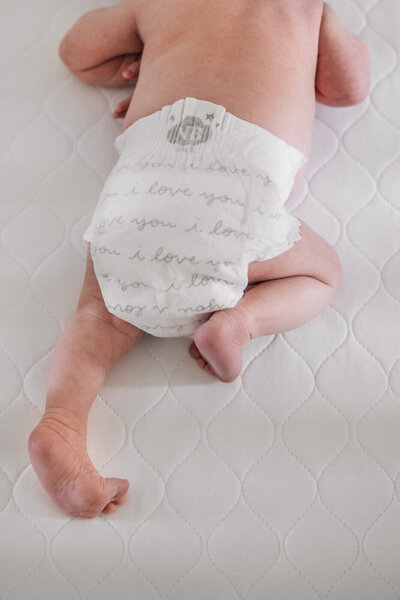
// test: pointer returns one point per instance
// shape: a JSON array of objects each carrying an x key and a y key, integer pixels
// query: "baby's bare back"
[{"x": 257, "y": 58}]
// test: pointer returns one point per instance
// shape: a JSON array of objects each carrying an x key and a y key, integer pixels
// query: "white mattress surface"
[{"x": 283, "y": 484}]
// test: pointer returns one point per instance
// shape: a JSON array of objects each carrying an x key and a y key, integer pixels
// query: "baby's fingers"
[
  {"x": 122, "y": 108},
  {"x": 132, "y": 70}
]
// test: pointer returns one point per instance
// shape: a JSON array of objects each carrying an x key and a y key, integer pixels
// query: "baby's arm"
[
  {"x": 102, "y": 44},
  {"x": 342, "y": 77}
]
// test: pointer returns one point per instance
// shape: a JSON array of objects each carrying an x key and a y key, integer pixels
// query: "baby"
[{"x": 190, "y": 236}]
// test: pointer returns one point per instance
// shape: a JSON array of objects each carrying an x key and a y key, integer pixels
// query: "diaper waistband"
[{"x": 192, "y": 127}]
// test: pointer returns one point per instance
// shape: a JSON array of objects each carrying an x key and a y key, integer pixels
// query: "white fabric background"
[{"x": 283, "y": 484}]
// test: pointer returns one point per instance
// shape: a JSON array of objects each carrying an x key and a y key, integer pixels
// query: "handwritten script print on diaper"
[{"x": 189, "y": 131}]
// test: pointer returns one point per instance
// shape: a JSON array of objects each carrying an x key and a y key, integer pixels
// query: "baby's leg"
[
  {"x": 300, "y": 283},
  {"x": 90, "y": 344}
]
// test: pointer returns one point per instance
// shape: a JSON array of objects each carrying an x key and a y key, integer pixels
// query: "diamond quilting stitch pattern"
[{"x": 331, "y": 435}]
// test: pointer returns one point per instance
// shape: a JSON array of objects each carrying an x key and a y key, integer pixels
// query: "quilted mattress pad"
[{"x": 283, "y": 484}]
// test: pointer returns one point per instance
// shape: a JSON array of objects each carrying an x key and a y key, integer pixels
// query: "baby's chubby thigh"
[
  {"x": 297, "y": 181},
  {"x": 311, "y": 256}
]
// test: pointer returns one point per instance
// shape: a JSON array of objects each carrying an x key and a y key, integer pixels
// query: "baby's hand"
[
  {"x": 131, "y": 71},
  {"x": 122, "y": 108}
]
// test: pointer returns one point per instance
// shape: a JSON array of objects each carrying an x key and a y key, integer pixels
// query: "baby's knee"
[{"x": 333, "y": 269}]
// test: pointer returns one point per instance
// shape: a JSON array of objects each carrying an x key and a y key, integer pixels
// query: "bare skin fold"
[{"x": 266, "y": 62}]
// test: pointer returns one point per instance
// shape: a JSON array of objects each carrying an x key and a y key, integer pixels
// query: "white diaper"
[{"x": 196, "y": 195}]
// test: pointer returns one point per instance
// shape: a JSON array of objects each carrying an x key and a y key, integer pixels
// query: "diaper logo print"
[{"x": 189, "y": 131}]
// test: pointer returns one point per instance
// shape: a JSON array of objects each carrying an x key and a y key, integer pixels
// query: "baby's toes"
[
  {"x": 201, "y": 361},
  {"x": 112, "y": 506},
  {"x": 91, "y": 502},
  {"x": 109, "y": 509},
  {"x": 194, "y": 351},
  {"x": 115, "y": 490}
]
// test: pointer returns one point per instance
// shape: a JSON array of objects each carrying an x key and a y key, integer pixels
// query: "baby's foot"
[
  {"x": 61, "y": 462},
  {"x": 219, "y": 342}
]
